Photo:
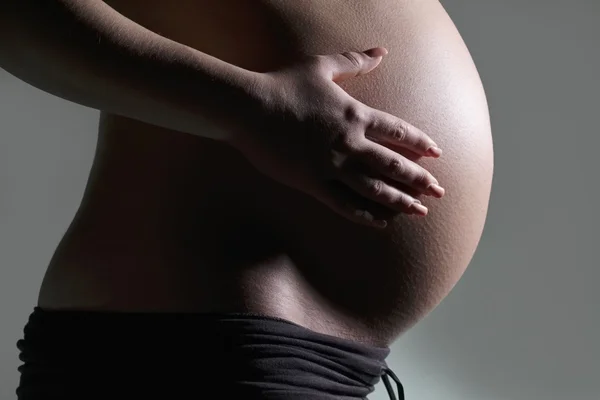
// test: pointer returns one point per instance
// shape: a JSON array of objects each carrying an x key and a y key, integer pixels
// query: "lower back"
[{"x": 179, "y": 223}]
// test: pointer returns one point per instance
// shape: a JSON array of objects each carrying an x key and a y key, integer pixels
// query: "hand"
[{"x": 311, "y": 135}]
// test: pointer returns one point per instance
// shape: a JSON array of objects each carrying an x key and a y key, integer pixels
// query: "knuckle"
[
  {"x": 425, "y": 179},
  {"x": 374, "y": 187},
  {"x": 403, "y": 201},
  {"x": 420, "y": 177},
  {"x": 422, "y": 141},
  {"x": 355, "y": 114},
  {"x": 397, "y": 167},
  {"x": 338, "y": 159},
  {"x": 401, "y": 131},
  {"x": 318, "y": 62},
  {"x": 352, "y": 57}
]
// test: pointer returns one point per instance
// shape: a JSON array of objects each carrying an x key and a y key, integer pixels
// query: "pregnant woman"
[{"x": 269, "y": 207}]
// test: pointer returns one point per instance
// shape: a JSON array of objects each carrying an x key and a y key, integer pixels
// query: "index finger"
[{"x": 387, "y": 129}]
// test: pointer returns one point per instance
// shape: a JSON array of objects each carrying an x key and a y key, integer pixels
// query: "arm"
[
  {"x": 295, "y": 125},
  {"x": 88, "y": 53}
]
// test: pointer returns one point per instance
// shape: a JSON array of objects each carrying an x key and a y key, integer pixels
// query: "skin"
[{"x": 173, "y": 221}]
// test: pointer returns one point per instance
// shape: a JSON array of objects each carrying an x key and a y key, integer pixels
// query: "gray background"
[{"x": 524, "y": 321}]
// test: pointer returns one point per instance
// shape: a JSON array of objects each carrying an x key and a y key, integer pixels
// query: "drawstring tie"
[{"x": 386, "y": 381}]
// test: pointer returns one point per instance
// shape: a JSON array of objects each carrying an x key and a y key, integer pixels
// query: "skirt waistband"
[{"x": 248, "y": 354}]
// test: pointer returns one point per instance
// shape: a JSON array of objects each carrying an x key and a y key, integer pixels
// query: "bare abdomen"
[{"x": 264, "y": 240}]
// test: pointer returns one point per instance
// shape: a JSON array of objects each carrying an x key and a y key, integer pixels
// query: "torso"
[{"x": 173, "y": 222}]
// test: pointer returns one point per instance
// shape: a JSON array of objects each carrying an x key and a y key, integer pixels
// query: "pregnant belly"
[{"x": 280, "y": 251}]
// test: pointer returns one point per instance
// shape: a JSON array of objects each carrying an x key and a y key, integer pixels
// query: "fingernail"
[
  {"x": 435, "y": 190},
  {"x": 376, "y": 52},
  {"x": 433, "y": 151},
  {"x": 418, "y": 209}
]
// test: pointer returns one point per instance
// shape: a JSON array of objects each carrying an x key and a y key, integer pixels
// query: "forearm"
[{"x": 87, "y": 53}]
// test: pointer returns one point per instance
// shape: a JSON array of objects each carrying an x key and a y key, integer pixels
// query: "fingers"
[
  {"x": 398, "y": 168},
  {"x": 353, "y": 207},
  {"x": 381, "y": 192},
  {"x": 388, "y": 130},
  {"x": 349, "y": 64}
]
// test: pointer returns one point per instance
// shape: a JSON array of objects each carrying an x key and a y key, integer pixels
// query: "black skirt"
[{"x": 106, "y": 355}]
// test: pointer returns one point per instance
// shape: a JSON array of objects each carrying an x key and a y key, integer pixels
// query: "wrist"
[{"x": 245, "y": 101}]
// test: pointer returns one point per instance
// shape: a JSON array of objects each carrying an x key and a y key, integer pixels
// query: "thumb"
[{"x": 349, "y": 64}]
